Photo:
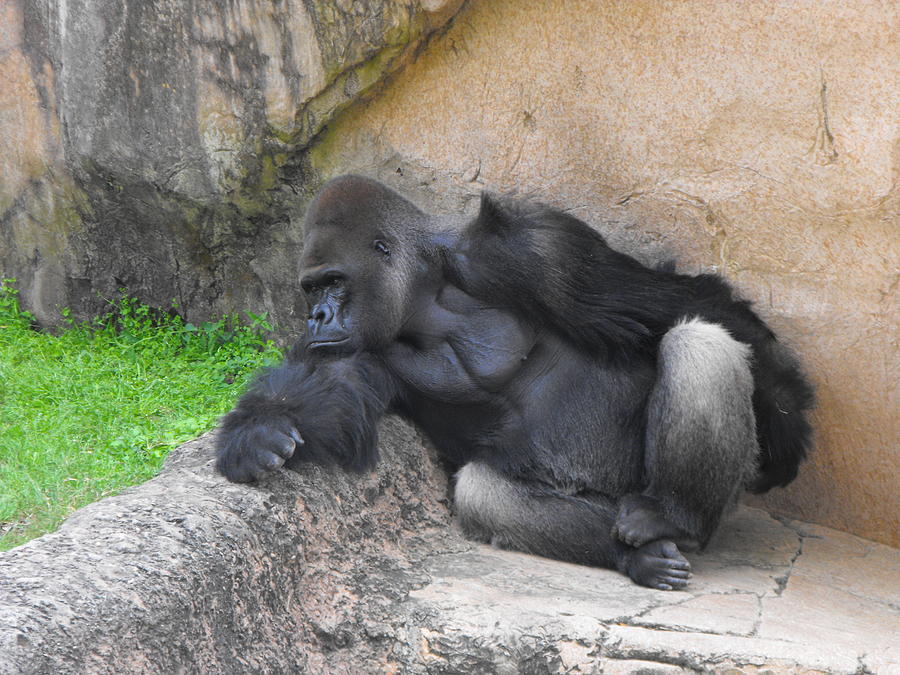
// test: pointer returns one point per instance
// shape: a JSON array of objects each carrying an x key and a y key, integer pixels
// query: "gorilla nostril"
[{"x": 321, "y": 314}]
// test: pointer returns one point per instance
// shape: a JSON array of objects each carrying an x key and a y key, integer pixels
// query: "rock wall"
[
  {"x": 169, "y": 148},
  {"x": 320, "y": 572},
  {"x": 189, "y": 573},
  {"x": 155, "y": 145}
]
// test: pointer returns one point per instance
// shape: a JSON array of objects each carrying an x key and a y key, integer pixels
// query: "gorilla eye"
[{"x": 381, "y": 247}]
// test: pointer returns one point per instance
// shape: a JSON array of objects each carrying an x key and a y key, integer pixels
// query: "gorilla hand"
[
  {"x": 252, "y": 451},
  {"x": 337, "y": 404}
]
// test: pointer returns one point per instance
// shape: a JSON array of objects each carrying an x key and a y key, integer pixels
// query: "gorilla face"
[
  {"x": 355, "y": 269},
  {"x": 348, "y": 293},
  {"x": 328, "y": 327}
]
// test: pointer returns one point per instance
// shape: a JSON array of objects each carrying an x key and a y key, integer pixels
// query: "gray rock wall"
[
  {"x": 321, "y": 572},
  {"x": 158, "y": 145}
]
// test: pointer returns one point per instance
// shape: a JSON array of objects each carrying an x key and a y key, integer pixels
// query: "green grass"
[{"x": 96, "y": 407}]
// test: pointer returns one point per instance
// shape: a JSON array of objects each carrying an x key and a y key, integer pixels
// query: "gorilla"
[{"x": 595, "y": 410}]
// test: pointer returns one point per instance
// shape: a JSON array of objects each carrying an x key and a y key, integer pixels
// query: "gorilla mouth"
[{"x": 318, "y": 344}]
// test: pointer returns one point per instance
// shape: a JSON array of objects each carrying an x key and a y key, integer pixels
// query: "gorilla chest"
[{"x": 456, "y": 350}]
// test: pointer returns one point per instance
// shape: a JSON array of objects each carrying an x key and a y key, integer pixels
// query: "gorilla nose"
[{"x": 322, "y": 314}]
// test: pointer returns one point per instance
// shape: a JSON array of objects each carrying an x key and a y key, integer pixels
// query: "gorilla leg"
[
  {"x": 701, "y": 445},
  {"x": 534, "y": 518}
]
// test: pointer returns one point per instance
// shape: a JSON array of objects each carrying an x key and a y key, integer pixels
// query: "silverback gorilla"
[{"x": 598, "y": 411}]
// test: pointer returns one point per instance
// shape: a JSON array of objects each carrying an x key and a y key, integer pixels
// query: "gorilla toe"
[{"x": 659, "y": 565}]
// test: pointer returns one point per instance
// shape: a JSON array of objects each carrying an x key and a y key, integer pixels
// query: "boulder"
[{"x": 323, "y": 572}]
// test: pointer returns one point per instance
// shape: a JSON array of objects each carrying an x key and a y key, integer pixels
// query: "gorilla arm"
[
  {"x": 325, "y": 412},
  {"x": 553, "y": 270},
  {"x": 456, "y": 349}
]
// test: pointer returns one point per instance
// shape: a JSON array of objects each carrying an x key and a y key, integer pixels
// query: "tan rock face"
[
  {"x": 38, "y": 200},
  {"x": 759, "y": 140},
  {"x": 19, "y": 107}
]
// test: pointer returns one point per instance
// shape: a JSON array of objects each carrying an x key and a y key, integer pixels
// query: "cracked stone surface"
[
  {"x": 759, "y": 601},
  {"x": 320, "y": 572}
]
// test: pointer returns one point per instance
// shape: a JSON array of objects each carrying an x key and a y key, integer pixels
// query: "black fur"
[
  {"x": 336, "y": 404},
  {"x": 600, "y": 411},
  {"x": 609, "y": 304}
]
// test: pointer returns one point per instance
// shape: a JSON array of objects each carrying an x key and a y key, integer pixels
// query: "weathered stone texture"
[
  {"x": 321, "y": 572},
  {"x": 760, "y": 140},
  {"x": 189, "y": 571},
  {"x": 154, "y": 144}
]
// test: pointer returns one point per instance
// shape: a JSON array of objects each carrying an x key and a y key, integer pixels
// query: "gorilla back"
[{"x": 598, "y": 411}]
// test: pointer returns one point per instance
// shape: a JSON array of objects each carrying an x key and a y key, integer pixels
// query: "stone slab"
[
  {"x": 767, "y": 596},
  {"x": 321, "y": 572}
]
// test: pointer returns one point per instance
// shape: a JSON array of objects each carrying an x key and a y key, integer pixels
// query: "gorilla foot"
[
  {"x": 659, "y": 565},
  {"x": 639, "y": 522}
]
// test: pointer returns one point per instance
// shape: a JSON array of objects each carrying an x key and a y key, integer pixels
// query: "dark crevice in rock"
[
  {"x": 683, "y": 660},
  {"x": 759, "y": 615},
  {"x": 782, "y": 581}
]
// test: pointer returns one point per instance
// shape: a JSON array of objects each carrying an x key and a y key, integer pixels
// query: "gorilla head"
[{"x": 363, "y": 244}]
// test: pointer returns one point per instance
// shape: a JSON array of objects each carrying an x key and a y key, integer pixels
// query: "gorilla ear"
[{"x": 494, "y": 216}]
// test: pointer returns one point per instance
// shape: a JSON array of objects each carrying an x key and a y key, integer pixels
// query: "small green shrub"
[{"x": 98, "y": 406}]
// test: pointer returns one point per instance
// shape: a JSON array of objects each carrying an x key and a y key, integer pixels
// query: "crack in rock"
[{"x": 782, "y": 581}]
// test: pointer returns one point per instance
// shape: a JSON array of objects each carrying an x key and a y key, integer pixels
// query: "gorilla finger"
[
  {"x": 267, "y": 462},
  {"x": 282, "y": 445},
  {"x": 234, "y": 467},
  {"x": 675, "y": 564},
  {"x": 662, "y": 587},
  {"x": 679, "y": 574},
  {"x": 673, "y": 583},
  {"x": 240, "y": 475},
  {"x": 298, "y": 439}
]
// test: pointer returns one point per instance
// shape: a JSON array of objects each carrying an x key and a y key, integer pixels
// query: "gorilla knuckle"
[{"x": 271, "y": 462}]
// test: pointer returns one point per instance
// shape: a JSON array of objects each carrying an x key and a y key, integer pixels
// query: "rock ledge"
[{"x": 321, "y": 572}]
